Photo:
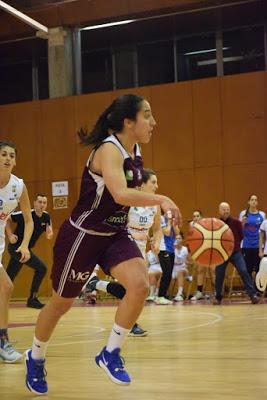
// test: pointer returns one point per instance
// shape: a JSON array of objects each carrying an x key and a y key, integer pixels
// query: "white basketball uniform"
[
  {"x": 9, "y": 200},
  {"x": 180, "y": 261},
  {"x": 153, "y": 262},
  {"x": 140, "y": 220},
  {"x": 261, "y": 277}
]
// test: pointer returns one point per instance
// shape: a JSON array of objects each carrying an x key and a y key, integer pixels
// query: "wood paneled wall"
[{"x": 210, "y": 145}]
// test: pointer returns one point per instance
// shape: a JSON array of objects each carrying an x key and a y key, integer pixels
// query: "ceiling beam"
[{"x": 23, "y": 17}]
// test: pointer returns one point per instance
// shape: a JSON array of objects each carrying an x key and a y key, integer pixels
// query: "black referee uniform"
[{"x": 39, "y": 267}]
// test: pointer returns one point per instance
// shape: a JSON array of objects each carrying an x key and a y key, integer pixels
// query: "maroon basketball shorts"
[{"x": 76, "y": 253}]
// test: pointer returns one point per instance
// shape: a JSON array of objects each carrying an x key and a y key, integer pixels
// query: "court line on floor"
[{"x": 217, "y": 319}]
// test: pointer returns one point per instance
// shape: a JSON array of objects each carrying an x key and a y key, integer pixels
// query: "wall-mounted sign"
[{"x": 60, "y": 188}]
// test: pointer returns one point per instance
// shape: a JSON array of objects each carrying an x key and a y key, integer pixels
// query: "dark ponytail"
[{"x": 112, "y": 119}]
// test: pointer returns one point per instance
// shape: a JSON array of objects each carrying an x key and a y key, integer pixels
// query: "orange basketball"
[{"x": 210, "y": 242}]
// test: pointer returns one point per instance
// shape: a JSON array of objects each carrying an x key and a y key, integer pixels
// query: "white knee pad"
[{"x": 261, "y": 277}]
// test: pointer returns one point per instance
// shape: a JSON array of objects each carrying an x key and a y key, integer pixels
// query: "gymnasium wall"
[{"x": 210, "y": 145}]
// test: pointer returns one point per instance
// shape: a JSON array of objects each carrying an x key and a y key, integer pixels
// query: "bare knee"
[
  {"x": 138, "y": 289},
  {"x": 7, "y": 288}
]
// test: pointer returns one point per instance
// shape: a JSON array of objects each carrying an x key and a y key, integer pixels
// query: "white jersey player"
[
  {"x": 140, "y": 220},
  {"x": 12, "y": 193},
  {"x": 261, "y": 277},
  {"x": 180, "y": 270}
]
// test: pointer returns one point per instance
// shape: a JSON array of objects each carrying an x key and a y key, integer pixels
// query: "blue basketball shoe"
[
  {"x": 35, "y": 374},
  {"x": 113, "y": 364}
]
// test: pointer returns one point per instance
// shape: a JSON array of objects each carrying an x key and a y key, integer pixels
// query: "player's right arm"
[
  {"x": 111, "y": 166},
  {"x": 28, "y": 225},
  {"x": 242, "y": 217}
]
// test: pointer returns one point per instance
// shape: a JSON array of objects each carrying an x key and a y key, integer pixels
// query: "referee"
[{"x": 42, "y": 223}]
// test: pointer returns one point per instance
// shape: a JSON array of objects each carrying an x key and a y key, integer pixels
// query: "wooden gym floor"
[{"x": 192, "y": 352}]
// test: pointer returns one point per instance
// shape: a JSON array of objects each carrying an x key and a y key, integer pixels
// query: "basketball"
[{"x": 210, "y": 242}]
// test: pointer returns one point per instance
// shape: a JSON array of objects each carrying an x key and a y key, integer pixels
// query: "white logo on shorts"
[{"x": 78, "y": 276}]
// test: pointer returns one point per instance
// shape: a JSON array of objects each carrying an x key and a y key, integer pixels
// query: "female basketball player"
[
  {"x": 96, "y": 234},
  {"x": 261, "y": 277},
  {"x": 200, "y": 269},
  {"x": 166, "y": 256},
  {"x": 12, "y": 192},
  {"x": 251, "y": 219},
  {"x": 140, "y": 220},
  {"x": 180, "y": 269}
]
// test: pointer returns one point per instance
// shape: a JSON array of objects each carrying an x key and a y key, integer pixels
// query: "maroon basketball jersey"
[{"x": 96, "y": 211}]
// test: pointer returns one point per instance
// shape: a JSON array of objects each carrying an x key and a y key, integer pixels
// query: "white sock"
[
  {"x": 116, "y": 337},
  {"x": 152, "y": 291},
  {"x": 102, "y": 285},
  {"x": 38, "y": 349},
  {"x": 157, "y": 292},
  {"x": 180, "y": 291}
]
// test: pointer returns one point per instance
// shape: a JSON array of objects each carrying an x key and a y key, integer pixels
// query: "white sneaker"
[
  {"x": 179, "y": 297},
  {"x": 162, "y": 301},
  {"x": 9, "y": 354},
  {"x": 261, "y": 277},
  {"x": 198, "y": 296},
  {"x": 150, "y": 298},
  {"x": 189, "y": 278}
]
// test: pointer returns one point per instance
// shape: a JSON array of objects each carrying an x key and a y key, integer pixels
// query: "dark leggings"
[
  {"x": 166, "y": 260},
  {"x": 14, "y": 266},
  {"x": 252, "y": 259}
]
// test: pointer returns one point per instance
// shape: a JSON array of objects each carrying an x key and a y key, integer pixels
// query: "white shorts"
[
  {"x": 177, "y": 268},
  {"x": 154, "y": 268}
]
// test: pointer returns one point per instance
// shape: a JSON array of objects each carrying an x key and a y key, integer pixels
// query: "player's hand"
[
  {"x": 25, "y": 253},
  {"x": 12, "y": 238},
  {"x": 49, "y": 232},
  {"x": 260, "y": 253},
  {"x": 172, "y": 211}
]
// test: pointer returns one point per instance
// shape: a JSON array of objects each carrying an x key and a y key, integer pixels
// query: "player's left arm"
[
  {"x": 28, "y": 226},
  {"x": 157, "y": 231}
]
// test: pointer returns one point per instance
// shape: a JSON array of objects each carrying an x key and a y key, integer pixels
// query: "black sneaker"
[
  {"x": 33, "y": 302},
  {"x": 255, "y": 299},
  {"x": 137, "y": 331}
]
